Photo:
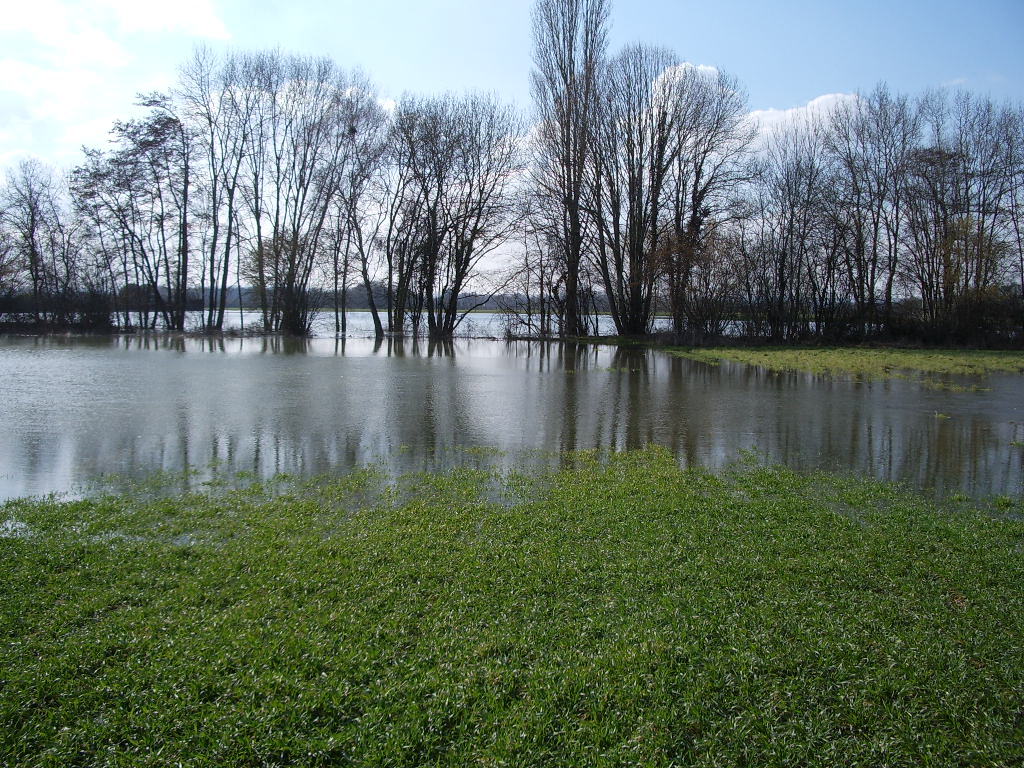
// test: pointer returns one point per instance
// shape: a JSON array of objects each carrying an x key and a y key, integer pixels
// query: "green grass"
[
  {"x": 611, "y": 613},
  {"x": 870, "y": 363}
]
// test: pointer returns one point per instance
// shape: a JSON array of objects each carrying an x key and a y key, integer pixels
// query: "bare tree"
[
  {"x": 637, "y": 143},
  {"x": 292, "y": 176},
  {"x": 142, "y": 190},
  {"x": 219, "y": 104},
  {"x": 1014, "y": 141},
  {"x": 27, "y": 211},
  {"x": 712, "y": 281},
  {"x": 11, "y": 270},
  {"x": 870, "y": 141},
  {"x": 570, "y": 38},
  {"x": 42, "y": 251},
  {"x": 400, "y": 238},
  {"x": 359, "y": 213},
  {"x": 537, "y": 281},
  {"x": 782, "y": 239},
  {"x": 957, "y": 235},
  {"x": 711, "y": 166},
  {"x": 465, "y": 159}
]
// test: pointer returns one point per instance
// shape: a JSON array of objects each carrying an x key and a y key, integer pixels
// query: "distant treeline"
[
  {"x": 96, "y": 311},
  {"x": 640, "y": 186}
]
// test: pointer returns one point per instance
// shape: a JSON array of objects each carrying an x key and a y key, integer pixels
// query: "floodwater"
[
  {"x": 74, "y": 408},
  {"x": 359, "y": 323}
]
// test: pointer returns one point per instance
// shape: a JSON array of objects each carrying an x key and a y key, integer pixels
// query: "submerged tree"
[
  {"x": 570, "y": 38},
  {"x": 141, "y": 195},
  {"x": 292, "y": 178},
  {"x": 26, "y": 213},
  {"x": 220, "y": 103},
  {"x": 643, "y": 191},
  {"x": 464, "y": 161},
  {"x": 40, "y": 246},
  {"x": 359, "y": 218}
]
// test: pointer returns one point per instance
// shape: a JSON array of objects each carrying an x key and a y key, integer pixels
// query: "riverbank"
[{"x": 606, "y": 613}]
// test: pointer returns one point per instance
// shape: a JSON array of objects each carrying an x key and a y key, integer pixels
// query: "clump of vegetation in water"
[
  {"x": 871, "y": 363},
  {"x": 611, "y": 612}
]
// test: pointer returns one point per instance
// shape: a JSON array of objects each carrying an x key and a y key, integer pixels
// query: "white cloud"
[
  {"x": 680, "y": 72},
  {"x": 52, "y": 91},
  {"x": 58, "y": 23},
  {"x": 15, "y": 132},
  {"x": 60, "y": 35},
  {"x": 703, "y": 69},
  {"x": 770, "y": 119},
  {"x": 191, "y": 17},
  {"x": 71, "y": 67}
]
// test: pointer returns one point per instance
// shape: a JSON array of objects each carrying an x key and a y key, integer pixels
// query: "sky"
[{"x": 69, "y": 68}]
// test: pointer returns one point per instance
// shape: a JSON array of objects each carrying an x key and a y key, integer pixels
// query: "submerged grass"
[
  {"x": 871, "y": 363},
  {"x": 613, "y": 612}
]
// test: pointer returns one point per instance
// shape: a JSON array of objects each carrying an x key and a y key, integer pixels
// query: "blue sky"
[{"x": 69, "y": 68}]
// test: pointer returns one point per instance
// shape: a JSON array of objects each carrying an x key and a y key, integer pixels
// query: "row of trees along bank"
[{"x": 640, "y": 186}]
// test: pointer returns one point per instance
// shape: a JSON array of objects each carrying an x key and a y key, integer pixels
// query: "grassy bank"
[
  {"x": 607, "y": 614},
  {"x": 881, "y": 362}
]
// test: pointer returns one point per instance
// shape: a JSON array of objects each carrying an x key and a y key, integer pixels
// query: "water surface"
[{"x": 74, "y": 408}]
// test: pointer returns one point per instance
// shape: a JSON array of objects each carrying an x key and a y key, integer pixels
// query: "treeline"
[
  {"x": 640, "y": 187},
  {"x": 279, "y": 173},
  {"x": 887, "y": 216}
]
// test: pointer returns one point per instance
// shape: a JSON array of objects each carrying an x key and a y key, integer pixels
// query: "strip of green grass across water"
[
  {"x": 611, "y": 613},
  {"x": 870, "y": 363}
]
